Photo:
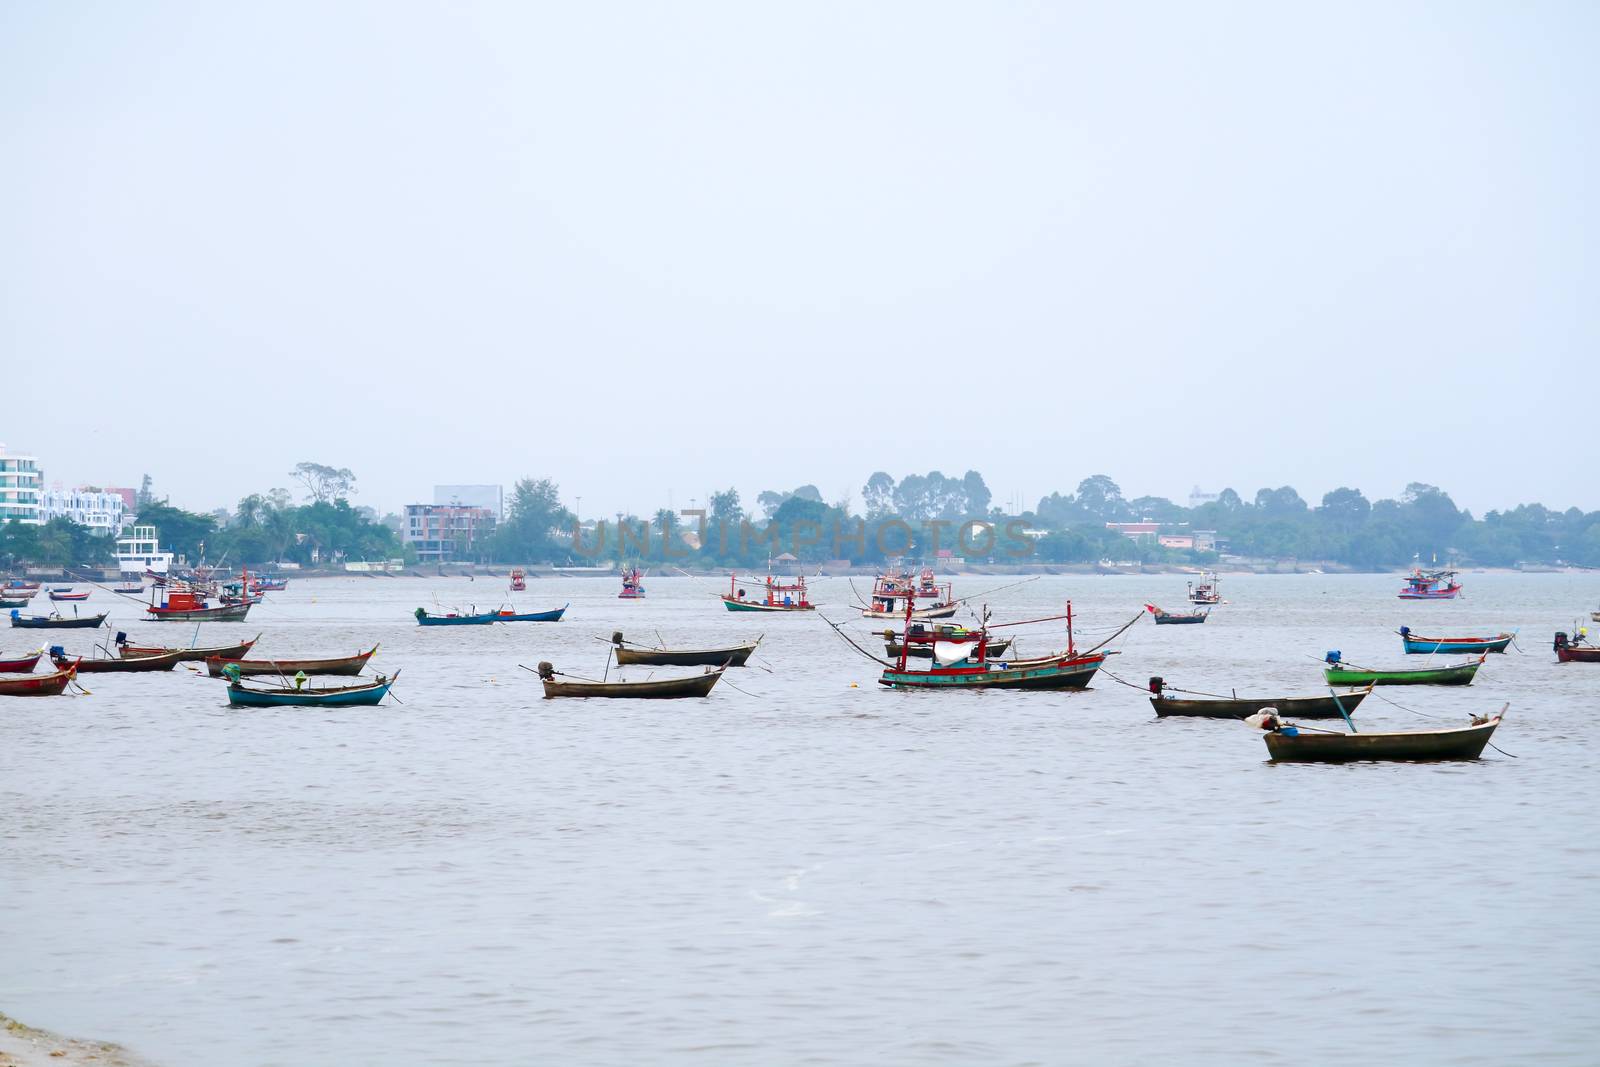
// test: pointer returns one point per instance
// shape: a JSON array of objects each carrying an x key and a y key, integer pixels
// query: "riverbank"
[{"x": 25, "y": 1046}]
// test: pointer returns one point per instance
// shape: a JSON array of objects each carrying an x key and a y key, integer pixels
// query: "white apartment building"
[
  {"x": 19, "y": 487},
  {"x": 100, "y": 511}
]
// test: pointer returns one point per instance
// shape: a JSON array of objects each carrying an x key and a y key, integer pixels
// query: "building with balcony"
[
  {"x": 100, "y": 510},
  {"x": 489, "y": 497},
  {"x": 20, "y": 480},
  {"x": 446, "y": 533}
]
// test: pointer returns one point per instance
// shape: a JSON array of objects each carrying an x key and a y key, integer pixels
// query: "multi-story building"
[
  {"x": 20, "y": 479},
  {"x": 445, "y": 533},
  {"x": 489, "y": 497},
  {"x": 100, "y": 510}
]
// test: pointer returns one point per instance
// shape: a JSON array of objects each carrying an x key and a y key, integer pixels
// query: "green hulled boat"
[{"x": 1339, "y": 673}]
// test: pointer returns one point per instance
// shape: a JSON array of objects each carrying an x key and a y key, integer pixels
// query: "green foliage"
[{"x": 57, "y": 543}]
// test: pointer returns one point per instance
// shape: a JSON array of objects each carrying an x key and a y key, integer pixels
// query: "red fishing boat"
[
  {"x": 1206, "y": 591},
  {"x": 185, "y": 605},
  {"x": 1430, "y": 585},
  {"x": 68, "y": 594},
  {"x": 37, "y": 685},
  {"x": 1577, "y": 650},
  {"x": 519, "y": 580},
  {"x": 965, "y": 666},
  {"x": 22, "y": 665},
  {"x": 632, "y": 585}
]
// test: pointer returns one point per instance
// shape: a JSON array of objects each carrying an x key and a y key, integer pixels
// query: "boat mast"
[{"x": 1070, "y": 650}]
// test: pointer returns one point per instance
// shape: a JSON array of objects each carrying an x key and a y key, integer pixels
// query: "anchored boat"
[
  {"x": 22, "y": 665},
  {"x": 56, "y": 622},
  {"x": 112, "y": 664},
  {"x": 1207, "y": 591},
  {"x": 778, "y": 595},
  {"x": 632, "y": 585},
  {"x": 1338, "y": 673},
  {"x": 1576, "y": 651},
  {"x": 965, "y": 666},
  {"x": 38, "y": 685},
  {"x": 1455, "y": 646},
  {"x": 1430, "y": 585},
  {"x": 894, "y": 588},
  {"x": 186, "y": 655},
  {"x": 1287, "y": 743},
  {"x": 692, "y": 685},
  {"x": 1168, "y": 618},
  {"x": 487, "y": 617},
  {"x": 653, "y": 655},
  {"x": 1236, "y": 707},
  {"x": 348, "y": 696},
  {"x": 217, "y": 666}
]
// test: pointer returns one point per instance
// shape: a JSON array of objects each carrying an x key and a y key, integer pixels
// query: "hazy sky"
[{"x": 666, "y": 247}]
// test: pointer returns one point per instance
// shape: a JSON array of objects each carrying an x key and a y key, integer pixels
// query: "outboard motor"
[
  {"x": 547, "y": 670},
  {"x": 1561, "y": 640},
  {"x": 1156, "y": 684},
  {"x": 122, "y": 638},
  {"x": 616, "y": 638},
  {"x": 1332, "y": 656},
  {"x": 57, "y": 652},
  {"x": 1405, "y": 631}
]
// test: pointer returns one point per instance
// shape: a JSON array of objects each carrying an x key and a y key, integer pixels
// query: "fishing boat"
[
  {"x": 777, "y": 595},
  {"x": 691, "y": 685},
  {"x": 68, "y": 594},
  {"x": 484, "y": 618},
  {"x": 963, "y": 665},
  {"x": 1430, "y": 585},
  {"x": 922, "y": 637},
  {"x": 38, "y": 685},
  {"x": 185, "y": 655},
  {"x": 19, "y": 587},
  {"x": 1576, "y": 651},
  {"x": 367, "y": 694},
  {"x": 112, "y": 664},
  {"x": 22, "y": 664},
  {"x": 1237, "y": 707},
  {"x": 189, "y": 605},
  {"x": 132, "y": 588},
  {"x": 519, "y": 580},
  {"x": 216, "y": 665},
  {"x": 655, "y": 656},
  {"x": 271, "y": 585},
  {"x": 892, "y": 589},
  {"x": 1338, "y": 673},
  {"x": 56, "y": 622},
  {"x": 1455, "y": 646},
  {"x": 1287, "y": 743},
  {"x": 14, "y": 601},
  {"x": 632, "y": 585},
  {"x": 1168, "y": 618},
  {"x": 1207, "y": 591}
]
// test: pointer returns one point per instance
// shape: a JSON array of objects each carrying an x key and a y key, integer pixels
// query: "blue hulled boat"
[
  {"x": 346, "y": 696},
  {"x": 484, "y": 618},
  {"x": 1427, "y": 646}
]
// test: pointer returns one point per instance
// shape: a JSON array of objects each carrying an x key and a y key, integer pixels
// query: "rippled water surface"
[{"x": 801, "y": 871}]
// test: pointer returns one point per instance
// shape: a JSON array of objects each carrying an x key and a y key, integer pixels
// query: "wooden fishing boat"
[
  {"x": 486, "y": 617},
  {"x": 1579, "y": 651},
  {"x": 961, "y": 665},
  {"x": 1288, "y": 744},
  {"x": 1338, "y": 673},
  {"x": 187, "y": 605},
  {"x": 348, "y": 696},
  {"x": 1168, "y": 618},
  {"x": 1454, "y": 646},
  {"x": 632, "y": 585},
  {"x": 893, "y": 589},
  {"x": 655, "y": 656},
  {"x": 215, "y": 665},
  {"x": 778, "y": 595},
  {"x": 691, "y": 685},
  {"x": 109, "y": 664},
  {"x": 519, "y": 580},
  {"x": 1237, "y": 707},
  {"x": 19, "y": 587},
  {"x": 186, "y": 655},
  {"x": 37, "y": 685},
  {"x": 1430, "y": 585},
  {"x": 271, "y": 585},
  {"x": 922, "y": 639},
  {"x": 68, "y": 594},
  {"x": 129, "y": 588},
  {"x": 14, "y": 602},
  {"x": 1207, "y": 591},
  {"x": 56, "y": 622},
  {"x": 22, "y": 664}
]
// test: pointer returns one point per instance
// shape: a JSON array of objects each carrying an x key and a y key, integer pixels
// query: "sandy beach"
[{"x": 23, "y": 1046}]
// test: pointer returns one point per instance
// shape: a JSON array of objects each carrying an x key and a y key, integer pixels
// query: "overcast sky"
[{"x": 659, "y": 248}]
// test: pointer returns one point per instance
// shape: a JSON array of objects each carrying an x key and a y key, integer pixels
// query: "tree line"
[{"x": 913, "y": 516}]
